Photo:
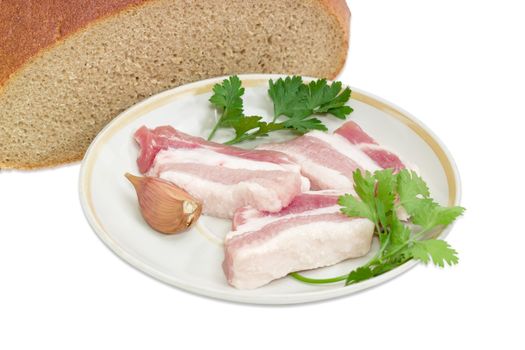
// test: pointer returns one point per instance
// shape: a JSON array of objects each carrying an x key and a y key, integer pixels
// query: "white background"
[{"x": 457, "y": 66}]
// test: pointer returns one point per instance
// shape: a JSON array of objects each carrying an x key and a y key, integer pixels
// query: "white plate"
[{"x": 192, "y": 260}]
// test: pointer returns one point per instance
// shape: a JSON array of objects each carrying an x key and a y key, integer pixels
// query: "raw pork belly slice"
[
  {"x": 383, "y": 157},
  {"x": 310, "y": 233},
  {"x": 224, "y": 178},
  {"x": 329, "y": 160}
]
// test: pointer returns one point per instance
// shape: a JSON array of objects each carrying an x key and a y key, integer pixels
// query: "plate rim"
[{"x": 203, "y": 86}]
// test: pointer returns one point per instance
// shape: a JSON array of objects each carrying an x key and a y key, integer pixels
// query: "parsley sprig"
[
  {"x": 228, "y": 98},
  {"x": 380, "y": 196},
  {"x": 298, "y": 102},
  {"x": 294, "y": 100}
]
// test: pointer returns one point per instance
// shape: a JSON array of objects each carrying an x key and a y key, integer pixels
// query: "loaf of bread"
[{"x": 67, "y": 67}]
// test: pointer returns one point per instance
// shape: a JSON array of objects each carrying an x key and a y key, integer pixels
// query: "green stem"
[
  {"x": 302, "y": 278},
  {"x": 213, "y": 131},
  {"x": 382, "y": 247}
]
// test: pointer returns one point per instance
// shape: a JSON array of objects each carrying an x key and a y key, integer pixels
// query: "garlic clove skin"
[{"x": 165, "y": 207}]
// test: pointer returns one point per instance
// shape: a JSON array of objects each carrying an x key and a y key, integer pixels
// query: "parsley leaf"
[
  {"x": 284, "y": 94},
  {"x": 291, "y": 97},
  {"x": 299, "y": 101},
  {"x": 324, "y": 98},
  {"x": 227, "y": 97},
  {"x": 258, "y": 128},
  {"x": 303, "y": 125}
]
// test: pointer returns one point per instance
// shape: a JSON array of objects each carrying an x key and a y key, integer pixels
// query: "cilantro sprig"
[
  {"x": 294, "y": 100},
  {"x": 379, "y": 198}
]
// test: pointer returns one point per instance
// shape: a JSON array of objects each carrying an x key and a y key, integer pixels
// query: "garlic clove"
[{"x": 165, "y": 207}]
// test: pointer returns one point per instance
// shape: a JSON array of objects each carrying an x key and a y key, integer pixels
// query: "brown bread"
[{"x": 67, "y": 67}]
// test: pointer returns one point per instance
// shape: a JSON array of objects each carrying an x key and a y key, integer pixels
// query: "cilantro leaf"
[
  {"x": 447, "y": 215},
  {"x": 411, "y": 189},
  {"x": 379, "y": 195},
  {"x": 386, "y": 184},
  {"x": 389, "y": 265},
  {"x": 428, "y": 214},
  {"x": 411, "y": 184},
  {"x": 422, "y": 211},
  {"x": 364, "y": 186},
  {"x": 382, "y": 218},
  {"x": 414, "y": 196},
  {"x": 360, "y": 274},
  {"x": 400, "y": 236},
  {"x": 352, "y": 207},
  {"x": 440, "y": 252},
  {"x": 363, "y": 273}
]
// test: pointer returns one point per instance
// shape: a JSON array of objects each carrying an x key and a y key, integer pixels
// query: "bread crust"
[
  {"x": 42, "y": 24},
  {"x": 339, "y": 9},
  {"x": 39, "y": 26},
  {"x": 28, "y": 27}
]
